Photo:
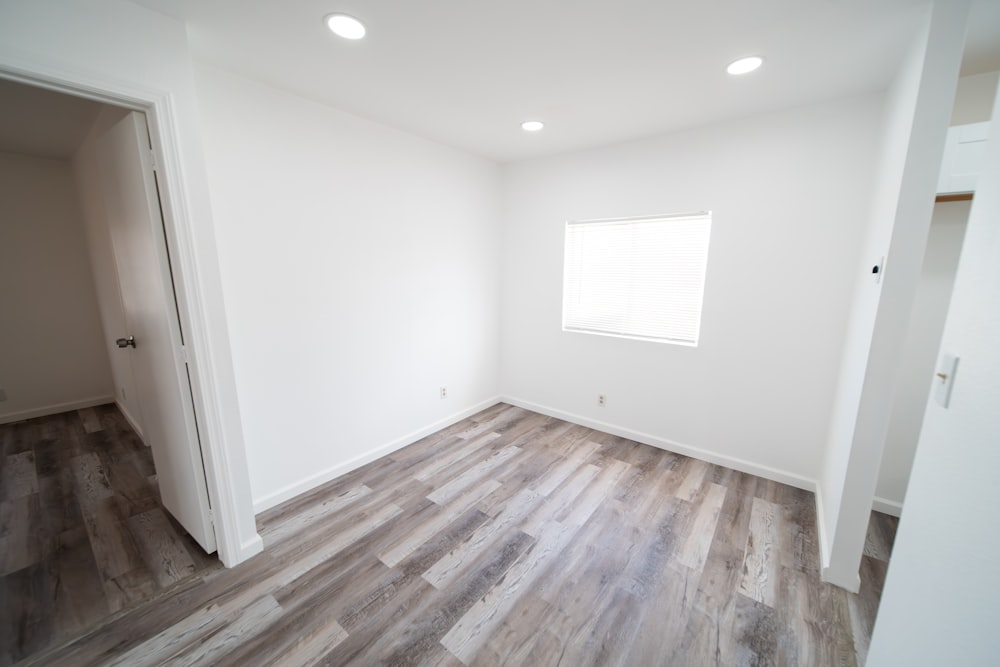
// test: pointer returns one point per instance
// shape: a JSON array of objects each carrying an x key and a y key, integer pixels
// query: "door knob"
[{"x": 126, "y": 342}]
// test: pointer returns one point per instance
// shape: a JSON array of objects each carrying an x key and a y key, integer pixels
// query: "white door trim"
[{"x": 224, "y": 453}]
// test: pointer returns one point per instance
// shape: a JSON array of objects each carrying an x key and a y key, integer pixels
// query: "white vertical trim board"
[{"x": 825, "y": 573}]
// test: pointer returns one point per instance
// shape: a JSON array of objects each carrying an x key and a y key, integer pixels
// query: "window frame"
[{"x": 697, "y": 269}]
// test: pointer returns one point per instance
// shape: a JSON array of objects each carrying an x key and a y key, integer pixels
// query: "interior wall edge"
[
  {"x": 290, "y": 491},
  {"x": 828, "y": 573},
  {"x": 56, "y": 408},
  {"x": 742, "y": 465},
  {"x": 850, "y": 583}
]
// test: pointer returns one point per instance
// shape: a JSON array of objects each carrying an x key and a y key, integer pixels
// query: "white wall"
[
  {"x": 974, "y": 98},
  {"x": 361, "y": 273},
  {"x": 102, "y": 262},
  {"x": 787, "y": 191},
  {"x": 112, "y": 47},
  {"x": 52, "y": 354},
  {"x": 920, "y": 345},
  {"x": 920, "y": 102},
  {"x": 939, "y": 605}
]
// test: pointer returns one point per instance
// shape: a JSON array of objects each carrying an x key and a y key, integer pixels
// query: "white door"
[{"x": 154, "y": 335}]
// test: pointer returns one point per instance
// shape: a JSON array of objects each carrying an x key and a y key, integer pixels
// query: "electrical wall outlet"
[
  {"x": 601, "y": 400},
  {"x": 444, "y": 392},
  {"x": 3, "y": 395}
]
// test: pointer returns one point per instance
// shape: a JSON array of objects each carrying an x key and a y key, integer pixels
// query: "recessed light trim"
[
  {"x": 745, "y": 65},
  {"x": 345, "y": 26},
  {"x": 532, "y": 125}
]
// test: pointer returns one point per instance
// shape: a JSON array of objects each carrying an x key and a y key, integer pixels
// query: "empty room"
[{"x": 512, "y": 333}]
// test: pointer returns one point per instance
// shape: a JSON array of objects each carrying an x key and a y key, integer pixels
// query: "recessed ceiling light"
[
  {"x": 532, "y": 125},
  {"x": 745, "y": 65},
  {"x": 345, "y": 26}
]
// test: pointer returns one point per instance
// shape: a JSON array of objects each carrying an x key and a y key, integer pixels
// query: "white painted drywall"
[
  {"x": 102, "y": 262},
  {"x": 51, "y": 353},
  {"x": 920, "y": 102},
  {"x": 118, "y": 48},
  {"x": 940, "y": 605},
  {"x": 361, "y": 273},
  {"x": 920, "y": 345},
  {"x": 785, "y": 191},
  {"x": 974, "y": 98}
]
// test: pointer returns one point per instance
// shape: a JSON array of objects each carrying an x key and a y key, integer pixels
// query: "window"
[{"x": 638, "y": 278}]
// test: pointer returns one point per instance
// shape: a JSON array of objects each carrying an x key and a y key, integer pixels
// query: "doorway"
[
  {"x": 920, "y": 351},
  {"x": 920, "y": 347},
  {"x": 81, "y": 497},
  {"x": 110, "y": 166}
]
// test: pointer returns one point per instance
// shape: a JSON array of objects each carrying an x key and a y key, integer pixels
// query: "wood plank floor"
[
  {"x": 514, "y": 538},
  {"x": 82, "y": 531}
]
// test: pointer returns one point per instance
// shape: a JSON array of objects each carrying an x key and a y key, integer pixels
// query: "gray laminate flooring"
[
  {"x": 514, "y": 538},
  {"x": 82, "y": 531}
]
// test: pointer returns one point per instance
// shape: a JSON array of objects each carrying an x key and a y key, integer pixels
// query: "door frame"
[{"x": 214, "y": 399}]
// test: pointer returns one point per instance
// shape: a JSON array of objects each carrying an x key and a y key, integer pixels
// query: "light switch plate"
[{"x": 944, "y": 379}]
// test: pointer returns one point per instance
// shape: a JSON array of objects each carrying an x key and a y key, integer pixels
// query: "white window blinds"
[{"x": 639, "y": 278}]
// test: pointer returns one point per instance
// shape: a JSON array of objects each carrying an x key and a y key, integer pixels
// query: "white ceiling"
[{"x": 467, "y": 72}]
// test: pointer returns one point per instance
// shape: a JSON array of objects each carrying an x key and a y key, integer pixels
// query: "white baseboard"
[
  {"x": 821, "y": 534},
  {"x": 323, "y": 476},
  {"x": 47, "y": 410},
  {"x": 249, "y": 549},
  {"x": 890, "y": 507},
  {"x": 742, "y": 465},
  {"x": 131, "y": 421}
]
